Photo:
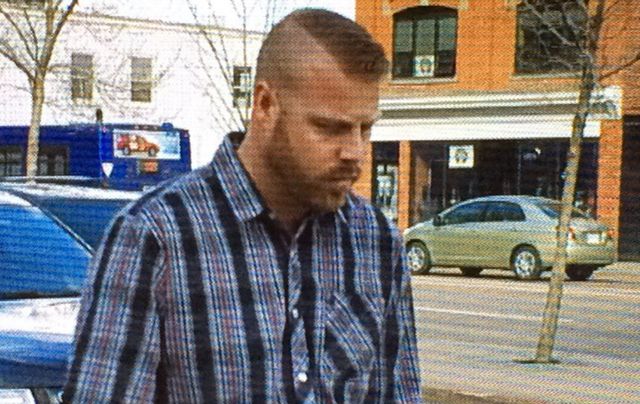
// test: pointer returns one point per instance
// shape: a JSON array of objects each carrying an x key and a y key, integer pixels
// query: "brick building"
[{"x": 480, "y": 101}]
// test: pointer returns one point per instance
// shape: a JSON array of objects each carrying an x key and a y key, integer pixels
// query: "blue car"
[{"x": 48, "y": 234}]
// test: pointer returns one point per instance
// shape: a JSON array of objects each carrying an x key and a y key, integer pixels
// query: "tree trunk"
[
  {"x": 554, "y": 296},
  {"x": 588, "y": 82},
  {"x": 33, "y": 140}
]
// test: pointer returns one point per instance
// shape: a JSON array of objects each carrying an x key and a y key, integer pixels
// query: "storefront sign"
[
  {"x": 461, "y": 156},
  {"x": 424, "y": 66}
]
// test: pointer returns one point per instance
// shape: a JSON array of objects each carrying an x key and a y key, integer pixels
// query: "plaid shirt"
[{"x": 196, "y": 296}]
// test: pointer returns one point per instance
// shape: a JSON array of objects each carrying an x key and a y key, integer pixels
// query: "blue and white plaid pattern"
[{"x": 196, "y": 296}]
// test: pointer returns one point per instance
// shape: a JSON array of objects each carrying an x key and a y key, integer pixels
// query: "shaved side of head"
[{"x": 294, "y": 40}]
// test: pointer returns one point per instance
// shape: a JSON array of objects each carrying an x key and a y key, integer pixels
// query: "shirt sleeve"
[
  {"x": 403, "y": 381},
  {"x": 117, "y": 348}
]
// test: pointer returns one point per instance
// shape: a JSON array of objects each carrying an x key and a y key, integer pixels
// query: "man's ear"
[{"x": 266, "y": 107}]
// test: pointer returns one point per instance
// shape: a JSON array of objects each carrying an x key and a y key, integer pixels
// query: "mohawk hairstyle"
[{"x": 352, "y": 47}]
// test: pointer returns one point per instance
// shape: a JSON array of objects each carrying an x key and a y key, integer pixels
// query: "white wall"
[{"x": 185, "y": 72}]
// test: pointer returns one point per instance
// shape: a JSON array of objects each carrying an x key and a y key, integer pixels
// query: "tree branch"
[
  {"x": 236, "y": 8},
  {"x": 595, "y": 27},
  {"x": 9, "y": 53},
  {"x": 18, "y": 30},
  {"x": 635, "y": 59},
  {"x": 221, "y": 60},
  {"x": 52, "y": 36},
  {"x": 611, "y": 5},
  {"x": 219, "y": 96},
  {"x": 34, "y": 36},
  {"x": 542, "y": 18}
]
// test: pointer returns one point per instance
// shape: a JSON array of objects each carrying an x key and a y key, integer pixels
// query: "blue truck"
[{"x": 119, "y": 156}]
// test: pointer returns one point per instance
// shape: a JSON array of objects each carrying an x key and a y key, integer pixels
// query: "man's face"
[{"x": 322, "y": 134}]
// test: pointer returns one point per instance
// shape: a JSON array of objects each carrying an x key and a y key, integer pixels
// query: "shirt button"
[
  {"x": 295, "y": 314},
  {"x": 302, "y": 377}
]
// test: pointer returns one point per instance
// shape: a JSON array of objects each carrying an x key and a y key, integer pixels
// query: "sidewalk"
[
  {"x": 492, "y": 374},
  {"x": 625, "y": 271}
]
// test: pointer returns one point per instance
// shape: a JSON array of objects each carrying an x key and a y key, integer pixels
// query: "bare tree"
[
  {"x": 253, "y": 19},
  {"x": 112, "y": 85},
  {"x": 582, "y": 23},
  {"x": 31, "y": 30}
]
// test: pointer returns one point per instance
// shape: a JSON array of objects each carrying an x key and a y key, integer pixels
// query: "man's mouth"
[
  {"x": 350, "y": 175},
  {"x": 344, "y": 180},
  {"x": 341, "y": 178},
  {"x": 343, "y": 184}
]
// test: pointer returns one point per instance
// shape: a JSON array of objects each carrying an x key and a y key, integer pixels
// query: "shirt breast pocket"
[{"x": 351, "y": 344}]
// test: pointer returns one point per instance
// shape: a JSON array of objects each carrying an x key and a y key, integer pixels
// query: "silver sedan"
[{"x": 516, "y": 233}]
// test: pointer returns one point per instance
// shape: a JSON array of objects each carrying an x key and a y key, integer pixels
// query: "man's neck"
[{"x": 278, "y": 198}]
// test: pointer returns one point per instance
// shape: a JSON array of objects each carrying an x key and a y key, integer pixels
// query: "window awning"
[
  {"x": 516, "y": 127},
  {"x": 491, "y": 116}
]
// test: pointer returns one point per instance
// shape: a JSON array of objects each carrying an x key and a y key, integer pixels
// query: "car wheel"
[
  {"x": 152, "y": 152},
  {"x": 418, "y": 259},
  {"x": 126, "y": 151},
  {"x": 579, "y": 273},
  {"x": 525, "y": 263},
  {"x": 471, "y": 271}
]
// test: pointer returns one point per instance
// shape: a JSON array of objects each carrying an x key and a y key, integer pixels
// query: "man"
[{"x": 260, "y": 278}]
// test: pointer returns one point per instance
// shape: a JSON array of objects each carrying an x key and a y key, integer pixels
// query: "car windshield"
[
  {"x": 88, "y": 218},
  {"x": 38, "y": 258},
  {"x": 552, "y": 209}
]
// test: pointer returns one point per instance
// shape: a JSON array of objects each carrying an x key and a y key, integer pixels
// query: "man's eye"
[
  {"x": 365, "y": 131},
  {"x": 332, "y": 129}
]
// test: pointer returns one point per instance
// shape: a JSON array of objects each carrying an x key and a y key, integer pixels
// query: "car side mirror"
[{"x": 438, "y": 220}]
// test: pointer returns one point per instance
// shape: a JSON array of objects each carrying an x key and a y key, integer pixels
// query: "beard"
[{"x": 318, "y": 192}]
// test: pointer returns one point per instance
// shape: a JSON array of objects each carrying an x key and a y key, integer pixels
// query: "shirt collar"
[
  {"x": 246, "y": 203},
  {"x": 342, "y": 211},
  {"x": 244, "y": 198}
]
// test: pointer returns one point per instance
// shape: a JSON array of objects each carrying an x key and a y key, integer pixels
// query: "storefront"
[
  {"x": 463, "y": 147},
  {"x": 448, "y": 172},
  {"x": 629, "y": 243}
]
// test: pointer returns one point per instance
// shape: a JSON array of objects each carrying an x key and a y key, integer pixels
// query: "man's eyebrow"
[
  {"x": 323, "y": 120},
  {"x": 375, "y": 119},
  {"x": 326, "y": 121}
]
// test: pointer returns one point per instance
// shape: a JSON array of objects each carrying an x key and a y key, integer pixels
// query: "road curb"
[
  {"x": 432, "y": 395},
  {"x": 625, "y": 266}
]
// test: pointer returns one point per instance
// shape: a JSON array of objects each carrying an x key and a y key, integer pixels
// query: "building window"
[
  {"x": 424, "y": 42},
  {"x": 81, "y": 76},
  {"x": 53, "y": 160},
  {"x": 385, "y": 178},
  {"x": 241, "y": 86},
  {"x": 548, "y": 35},
  {"x": 10, "y": 162},
  {"x": 141, "y": 79}
]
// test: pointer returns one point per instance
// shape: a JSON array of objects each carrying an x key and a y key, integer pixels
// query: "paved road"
[{"x": 472, "y": 331}]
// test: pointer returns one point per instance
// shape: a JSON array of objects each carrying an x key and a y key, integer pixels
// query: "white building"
[{"x": 144, "y": 72}]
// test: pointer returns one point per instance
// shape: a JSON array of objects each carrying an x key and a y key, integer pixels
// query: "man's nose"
[{"x": 354, "y": 146}]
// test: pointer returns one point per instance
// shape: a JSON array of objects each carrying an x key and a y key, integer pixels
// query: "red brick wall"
[
  {"x": 404, "y": 185},
  {"x": 609, "y": 166},
  {"x": 485, "y": 62},
  {"x": 362, "y": 187},
  {"x": 419, "y": 179},
  {"x": 486, "y": 48}
]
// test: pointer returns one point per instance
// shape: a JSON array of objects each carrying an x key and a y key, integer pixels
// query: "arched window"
[
  {"x": 549, "y": 35},
  {"x": 424, "y": 42}
]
